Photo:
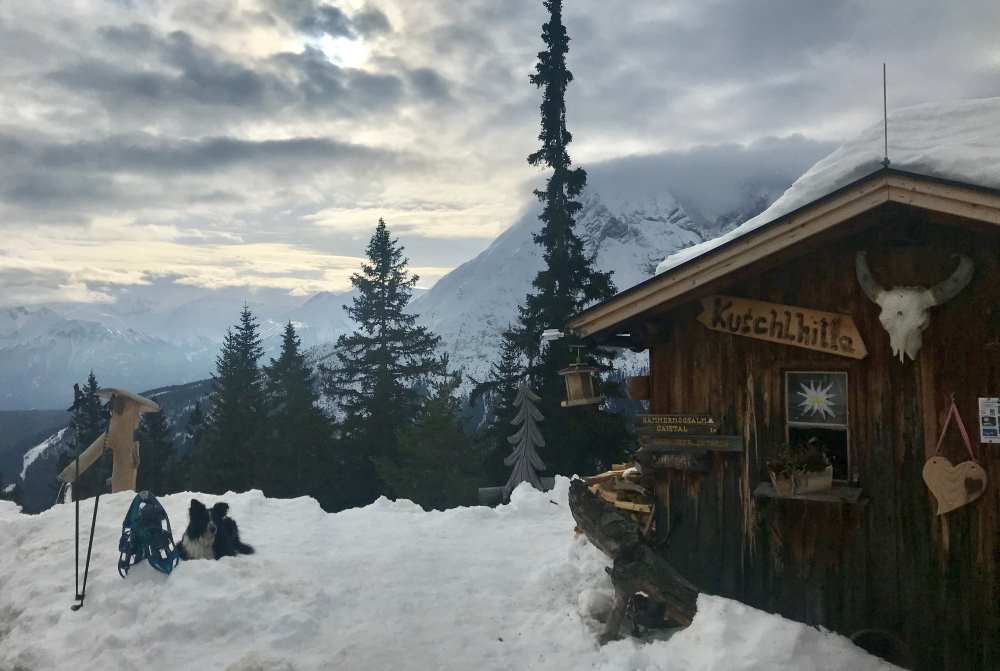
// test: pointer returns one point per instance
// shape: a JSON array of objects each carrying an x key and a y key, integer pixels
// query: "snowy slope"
[
  {"x": 32, "y": 455},
  {"x": 472, "y": 305},
  {"x": 388, "y": 586},
  {"x": 957, "y": 140}
]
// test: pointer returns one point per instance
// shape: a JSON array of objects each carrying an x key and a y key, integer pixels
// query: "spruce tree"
[
  {"x": 435, "y": 465},
  {"x": 88, "y": 421},
  {"x": 381, "y": 365},
  {"x": 578, "y": 441},
  {"x": 228, "y": 451},
  {"x": 297, "y": 432},
  {"x": 156, "y": 449}
]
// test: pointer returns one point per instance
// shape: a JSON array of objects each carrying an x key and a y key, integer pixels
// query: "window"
[{"x": 816, "y": 409}]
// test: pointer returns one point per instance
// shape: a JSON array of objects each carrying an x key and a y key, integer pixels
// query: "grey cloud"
[
  {"x": 372, "y": 21},
  {"x": 709, "y": 180},
  {"x": 60, "y": 176},
  {"x": 429, "y": 84},
  {"x": 186, "y": 76},
  {"x": 329, "y": 20},
  {"x": 319, "y": 18}
]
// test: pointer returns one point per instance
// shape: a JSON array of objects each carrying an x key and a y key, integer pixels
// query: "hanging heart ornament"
[{"x": 954, "y": 486}]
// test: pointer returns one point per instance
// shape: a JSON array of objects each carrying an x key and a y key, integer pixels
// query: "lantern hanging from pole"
[{"x": 579, "y": 378}]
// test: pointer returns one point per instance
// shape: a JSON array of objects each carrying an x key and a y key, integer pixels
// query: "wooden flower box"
[
  {"x": 814, "y": 481},
  {"x": 805, "y": 482}
]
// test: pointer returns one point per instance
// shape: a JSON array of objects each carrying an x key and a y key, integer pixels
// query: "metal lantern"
[{"x": 579, "y": 379}]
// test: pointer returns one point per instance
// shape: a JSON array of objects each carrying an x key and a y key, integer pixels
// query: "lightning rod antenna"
[{"x": 885, "y": 121}]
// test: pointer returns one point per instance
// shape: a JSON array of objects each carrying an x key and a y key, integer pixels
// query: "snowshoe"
[{"x": 146, "y": 534}]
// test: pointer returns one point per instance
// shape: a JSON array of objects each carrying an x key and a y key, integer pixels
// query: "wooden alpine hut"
[{"x": 855, "y": 324}]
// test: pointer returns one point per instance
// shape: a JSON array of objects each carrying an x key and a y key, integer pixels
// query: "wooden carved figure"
[{"x": 119, "y": 438}]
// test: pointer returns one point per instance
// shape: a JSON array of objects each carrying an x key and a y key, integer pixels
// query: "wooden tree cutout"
[{"x": 524, "y": 458}]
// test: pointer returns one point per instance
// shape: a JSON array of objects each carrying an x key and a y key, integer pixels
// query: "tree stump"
[{"x": 636, "y": 566}]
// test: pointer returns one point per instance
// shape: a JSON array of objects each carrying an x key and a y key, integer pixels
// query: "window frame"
[{"x": 845, "y": 427}]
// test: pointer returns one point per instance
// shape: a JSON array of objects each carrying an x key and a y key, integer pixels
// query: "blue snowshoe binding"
[{"x": 146, "y": 534}]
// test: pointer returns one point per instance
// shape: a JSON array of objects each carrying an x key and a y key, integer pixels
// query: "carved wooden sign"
[
  {"x": 675, "y": 424},
  {"x": 785, "y": 324},
  {"x": 700, "y": 443},
  {"x": 679, "y": 460}
]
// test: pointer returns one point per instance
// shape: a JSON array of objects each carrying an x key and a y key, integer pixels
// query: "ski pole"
[
  {"x": 76, "y": 504},
  {"x": 90, "y": 545}
]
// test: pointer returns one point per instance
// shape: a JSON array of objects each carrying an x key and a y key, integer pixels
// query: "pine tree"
[
  {"x": 498, "y": 392},
  {"x": 156, "y": 449},
  {"x": 435, "y": 466},
  {"x": 298, "y": 433},
  {"x": 578, "y": 442},
  {"x": 227, "y": 454},
  {"x": 87, "y": 422},
  {"x": 524, "y": 458},
  {"x": 381, "y": 366}
]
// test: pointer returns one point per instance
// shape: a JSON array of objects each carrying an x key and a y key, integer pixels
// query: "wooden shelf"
[{"x": 837, "y": 494}]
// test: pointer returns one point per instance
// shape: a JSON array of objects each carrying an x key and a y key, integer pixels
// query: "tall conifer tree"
[
  {"x": 435, "y": 465},
  {"x": 297, "y": 432},
  {"x": 228, "y": 451},
  {"x": 381, "y": 366},
  {"x": 577, "y": 441}
]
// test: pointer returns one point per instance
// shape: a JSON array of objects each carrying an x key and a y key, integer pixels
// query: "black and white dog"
[{"x": 211, "y": 534}]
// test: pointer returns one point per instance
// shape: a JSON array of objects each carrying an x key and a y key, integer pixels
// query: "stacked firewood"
[{"x": 621, "y": 487}]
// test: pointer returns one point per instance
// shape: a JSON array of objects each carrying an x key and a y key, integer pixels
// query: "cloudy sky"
[{"x": 232, "y": 143}]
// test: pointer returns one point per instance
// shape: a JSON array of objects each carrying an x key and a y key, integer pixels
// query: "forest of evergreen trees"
[{"x": 396, "y": 424}]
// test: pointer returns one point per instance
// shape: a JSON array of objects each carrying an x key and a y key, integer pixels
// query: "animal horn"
[
  {"x": 871, "y": 288},
  {"x": 944, "y": 291}
]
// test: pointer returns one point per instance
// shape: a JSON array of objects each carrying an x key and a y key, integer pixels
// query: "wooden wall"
[{"x": 890, "y": 564}]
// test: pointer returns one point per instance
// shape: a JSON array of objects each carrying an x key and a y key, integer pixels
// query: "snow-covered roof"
[{"x": 957, "y": 140}]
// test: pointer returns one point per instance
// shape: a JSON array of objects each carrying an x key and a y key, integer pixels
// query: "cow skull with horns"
[{"x": 905, "y": 310}]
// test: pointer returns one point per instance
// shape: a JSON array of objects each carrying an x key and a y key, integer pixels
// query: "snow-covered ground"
[{"x": 388, "y": 586}]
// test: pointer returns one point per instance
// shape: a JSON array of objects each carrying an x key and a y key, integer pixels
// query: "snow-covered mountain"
[
  {"x": 472, "y": 305},
  {"x": 42, "y": 354}
]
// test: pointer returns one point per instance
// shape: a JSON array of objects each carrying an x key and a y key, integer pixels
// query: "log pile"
[
  {"x": 636, "y": 567},
  {"x": 620, "y": 487}
]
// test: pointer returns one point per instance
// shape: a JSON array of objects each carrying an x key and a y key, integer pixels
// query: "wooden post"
[{"x": 119, "y": 438}]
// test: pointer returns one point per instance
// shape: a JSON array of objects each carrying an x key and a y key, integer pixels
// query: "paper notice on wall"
[{"x": 989, "y": 420}]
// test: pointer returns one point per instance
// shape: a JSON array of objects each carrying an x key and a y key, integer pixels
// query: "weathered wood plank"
[{"x": 837, "y": 494}]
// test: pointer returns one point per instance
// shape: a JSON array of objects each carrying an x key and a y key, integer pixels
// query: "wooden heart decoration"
[{"x": 954, "y": 486}]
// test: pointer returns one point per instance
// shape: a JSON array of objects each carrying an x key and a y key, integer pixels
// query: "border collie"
[{"x": 211, "y": 534}]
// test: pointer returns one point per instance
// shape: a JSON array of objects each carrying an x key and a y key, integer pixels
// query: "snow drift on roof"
[{"x": 957, "y": 140}]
